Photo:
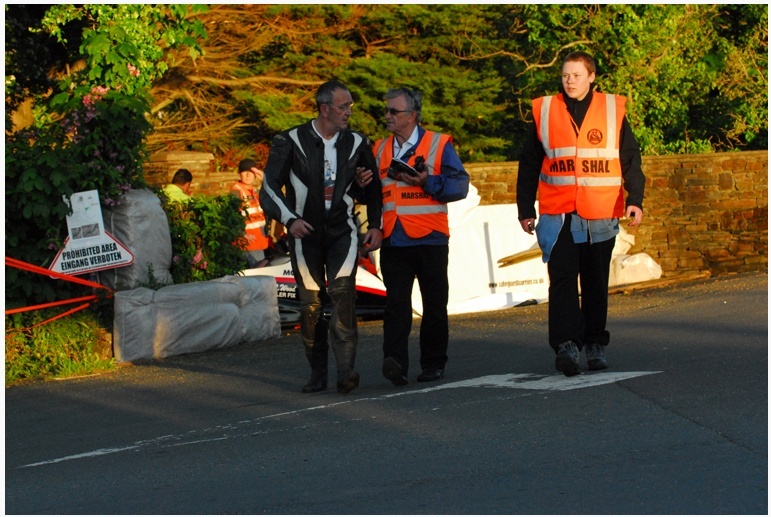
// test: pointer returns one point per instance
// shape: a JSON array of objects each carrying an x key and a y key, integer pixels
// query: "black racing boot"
[
  {"x": 344, "y": 332},
  {"x": 347, "y": 377},
  {"x": 317, "y": 353},
  {"x": 319, "y": 374},
  {"x": 348, "y": 383}
]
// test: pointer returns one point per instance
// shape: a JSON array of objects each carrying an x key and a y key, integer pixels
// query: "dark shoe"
[
  {"x": 348, "y": 383},
  {"x": 567, "y": 359},
  {"x": 392, "y": 371},
  {"x": 431, "y": 374},
  {"x": 595, "y": 357},
  {"x": 317, "y": 382}
]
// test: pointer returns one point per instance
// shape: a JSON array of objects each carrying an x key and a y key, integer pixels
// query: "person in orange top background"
[
  {"x": 247, "y": 189},
  {"x": 579, "y": 153}
]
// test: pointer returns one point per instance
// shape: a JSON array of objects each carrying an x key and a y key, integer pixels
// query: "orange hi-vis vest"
[
  {"x": 581, "y": 172},
  {"x": 255, "y": 221},
  {"x": 418, "y": 212}
]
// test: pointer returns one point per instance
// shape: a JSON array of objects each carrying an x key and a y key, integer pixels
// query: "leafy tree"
[
  {"x": 28, "y": 57},
  {"x": 695, "y": 75},
  {"x": 270, "y": 60},
  {"x": 738, "y": 100}
]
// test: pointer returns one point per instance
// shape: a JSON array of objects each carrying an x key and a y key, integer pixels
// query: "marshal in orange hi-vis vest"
[
  {"x": 416, "y": 210},
  {"x": 581, "y": 172},
  {"x": 255, "y": 221}
]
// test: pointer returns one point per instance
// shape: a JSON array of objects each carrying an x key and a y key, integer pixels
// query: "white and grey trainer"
[
  {"x": 595, "y": 357},
  {"x": 567, "y": 359}
]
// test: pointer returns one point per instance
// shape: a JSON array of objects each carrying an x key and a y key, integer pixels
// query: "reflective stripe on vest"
[
  {"x": 552, "y": 152},
  {"x": 581, "y": 172},
  {"x": 418, "y": 212}
]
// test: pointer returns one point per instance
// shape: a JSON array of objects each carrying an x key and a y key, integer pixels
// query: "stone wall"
[
  {"x": 163, "y": 165},
  {"x": 703, "y": 212}
]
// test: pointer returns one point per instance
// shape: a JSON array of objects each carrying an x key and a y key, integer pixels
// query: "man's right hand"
[
  {"x": 528, "y": 225},
  {"x": 363, "y": 177},
  {"x": 300, "y": 228}
]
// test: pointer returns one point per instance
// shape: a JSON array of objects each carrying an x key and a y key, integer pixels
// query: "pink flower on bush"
[
  {"x": 198, "y": 261},
  {"x": 133, "y": 70},
  {"x": 96, "y": 94}
]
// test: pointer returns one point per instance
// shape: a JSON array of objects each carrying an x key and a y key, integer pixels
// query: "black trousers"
[
  {"x": 570, "y": 264},
  {"x": 400, "y": 266}
]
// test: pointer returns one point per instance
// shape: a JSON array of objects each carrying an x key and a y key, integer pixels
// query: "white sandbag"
[
  {"x": 194, "y": 317},
  {"x": 140, "y": 224},
  {"x": 258, "y": 307},
  {"x": 628, "y": 269}
]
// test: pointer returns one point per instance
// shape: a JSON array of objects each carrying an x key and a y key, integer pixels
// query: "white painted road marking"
[
  {"x": 530, "y": 381},
  {"x": 520, "y": 381}
]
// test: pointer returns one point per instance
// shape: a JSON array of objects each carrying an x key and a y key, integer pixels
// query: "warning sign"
[
  {"x": 88, "y": 246},
  {"x": 107, "y": 254}
]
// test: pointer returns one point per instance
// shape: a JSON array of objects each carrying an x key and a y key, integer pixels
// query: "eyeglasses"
[
  {"x": 342, "y": 107},
  {"x": 394, "y": 111}
]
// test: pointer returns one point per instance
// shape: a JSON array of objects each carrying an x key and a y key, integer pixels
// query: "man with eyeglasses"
[
  {"x": 420, "y": 173},
  {"x": 310, "y": 186}
]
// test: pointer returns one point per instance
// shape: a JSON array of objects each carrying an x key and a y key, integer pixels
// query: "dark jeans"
[
  {"x": 568, "y": 265},
  {"x": 400, "y": 266}
]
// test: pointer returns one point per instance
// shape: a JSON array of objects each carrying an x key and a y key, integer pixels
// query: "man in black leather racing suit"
[{"x": 310, "y": 186}]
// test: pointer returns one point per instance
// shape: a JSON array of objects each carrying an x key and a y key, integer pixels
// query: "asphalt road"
[{"x": 678, "y": 425}]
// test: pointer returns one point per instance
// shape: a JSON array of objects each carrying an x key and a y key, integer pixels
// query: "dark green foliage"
[
  {"x": 97, "y": 144},
  {"x": 207, "y": 237},
  {"x": 696, "y": 76},
  {"x": 29, "y": 55},
  {"x": 85, "y": 132}
]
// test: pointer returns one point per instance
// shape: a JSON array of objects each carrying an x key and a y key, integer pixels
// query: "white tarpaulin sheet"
[
  {"x": 194, "y": 317},
  {"x": 479, "y": 237}
]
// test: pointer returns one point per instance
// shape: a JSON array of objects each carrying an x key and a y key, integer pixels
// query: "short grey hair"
[
  {"x": 326, "y": 92},
  {"x": 414, "y": 99}
]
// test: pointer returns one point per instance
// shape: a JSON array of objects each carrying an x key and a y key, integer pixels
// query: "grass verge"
[{"x": 78, "y": 344}]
